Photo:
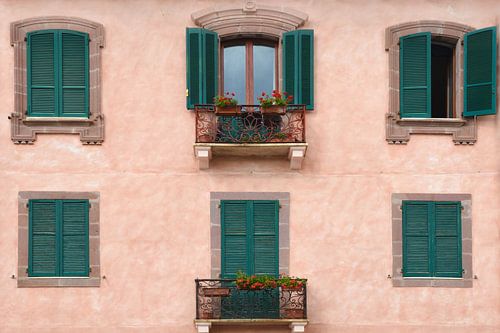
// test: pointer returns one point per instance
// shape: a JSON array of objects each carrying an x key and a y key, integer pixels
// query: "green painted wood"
[
  {"x": 75, "y": 237},
  {"x": 480, "y": 62},
  {"x": 415, "y": 75},
  {"x": 447, "y": 239},
  {"x": 42, "y": 248},
  {"x": 74, "y": 74},
  {"x": 202, "y": 64},
  {"x": 265, "y": 237},
  {"x": 298, "y": 66},
  {"x": 416, "y": 239},
  {"x": 41, "y": 73},
  {"x": 234, "y": 239}
]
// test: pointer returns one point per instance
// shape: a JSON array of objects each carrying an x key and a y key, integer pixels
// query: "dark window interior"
[{"x": 442, "y": 79}]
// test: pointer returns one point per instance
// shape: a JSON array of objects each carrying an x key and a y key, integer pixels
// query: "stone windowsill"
[
  {"x": 436, "y": 122},
  {"x": 33, "y": 282},
  {"x": 57, "y": 119}
]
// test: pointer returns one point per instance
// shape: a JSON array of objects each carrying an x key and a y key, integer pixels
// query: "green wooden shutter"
[
  {"x": 447, "y": 239},
  {"x": 202, "y": 66},
  {"x": 415, "y": 75},
  {"x": 416, "y": 239},
  {"x": 480, "y": 64},
  {"x": 42, "y": 74},
  {"x": 42, "y": 238},
  {"x": 298, "y": 66},
  {"x": 265, "y": 237},
  {"x": 235, "y": 239},
  {"x": 75, "y": 238},
  {"x": 74, "y": 74}
]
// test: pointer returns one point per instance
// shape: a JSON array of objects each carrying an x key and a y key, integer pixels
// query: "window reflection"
[
  {"x": 264, "y": 71},
  {"x": 234, "y": 72}
]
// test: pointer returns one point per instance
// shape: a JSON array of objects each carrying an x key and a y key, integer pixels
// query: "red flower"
[
  {"x": 232, "y": 94},
  {"x": 263, "y": 94}
]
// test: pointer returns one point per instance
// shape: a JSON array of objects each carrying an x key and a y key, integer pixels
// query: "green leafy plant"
[
  {"x": 291, "y": 282},
  {"x": 259, "y": 282},
  {"x": 225, "y": 101},
  {"x": 276, "y": 98}
]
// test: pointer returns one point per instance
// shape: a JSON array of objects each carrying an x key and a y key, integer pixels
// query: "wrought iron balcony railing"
[
  {"x": 221, "y": 299},
  {"x": 250, "y": 124}
]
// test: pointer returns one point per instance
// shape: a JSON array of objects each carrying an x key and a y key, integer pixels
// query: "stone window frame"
[
  {"x": 94, "y": 279},
  {"x": 398, "y": 130},
  {"x": 24, "y": 129},
  {"x": 397, "y": 242},
  {"x": 215, "y": 226}
]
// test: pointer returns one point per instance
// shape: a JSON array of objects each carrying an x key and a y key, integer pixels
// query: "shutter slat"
[
  {"x": 415, "y": 75},
  {"x": 416, "y": 245},
  {"x": 480, "y": 72},
  {"x": 265, "y": 221},
  {"x": 41, "y": 74},
  {"x": 42, "y": 252},
  {"x": 448, "y": 256},
  {"x": 74, "y": 76},
  {"x": 75, "y": 238}
]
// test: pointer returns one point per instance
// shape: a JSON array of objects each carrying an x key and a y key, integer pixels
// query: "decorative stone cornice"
[{"x": 250, "y": 19}]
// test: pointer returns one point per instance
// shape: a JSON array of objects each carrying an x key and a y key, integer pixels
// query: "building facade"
[{"x": 122, "y": 183}]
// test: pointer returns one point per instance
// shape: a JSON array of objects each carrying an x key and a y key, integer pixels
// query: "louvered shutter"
[
  {"x": 74, "y": 73},
  {"x": 415, "y": 75},
  {"x": 202, "y": 66},
  {"x": 416, "y": 240},
  {"x": 447, "y": 239},
  {"x": 480, "y": 72},
  {"x": 265, "y": 237},
  {"x": 298, "y": 66},
  {"x": 235, "y": 244},
  {"x": 42, "y": 238},
  {"x": 42, "y": 76},
  {"x": 75, "y": 238}
]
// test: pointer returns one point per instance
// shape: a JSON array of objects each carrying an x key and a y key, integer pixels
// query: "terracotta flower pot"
[
  {"x": 233, "y": 110},
  {"x": 294, "y": 313},
  {"x": 274, "y": 109},
  {"x": 216, "y": 292}
]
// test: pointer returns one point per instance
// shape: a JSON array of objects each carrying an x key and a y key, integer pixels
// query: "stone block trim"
[
  {"x": 94, "y": 279},
  {"x": 25, "y": 129},
  {"x": 251, "y": 19},
  {"x": 463, "y": 130},
  {"x": 215, "y": 226},
  {"x": 397, "y": 242}
]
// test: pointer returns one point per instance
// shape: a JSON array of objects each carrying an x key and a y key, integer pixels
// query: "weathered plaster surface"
[{"x": 155, "y": 203}]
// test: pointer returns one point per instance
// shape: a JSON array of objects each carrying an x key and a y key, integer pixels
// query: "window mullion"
[{"x": 249, "y": 72}]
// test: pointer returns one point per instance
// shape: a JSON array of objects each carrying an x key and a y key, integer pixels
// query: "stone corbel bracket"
[
  {"x": 25, "y": 129},
  {"x": 249, "y": 19}
]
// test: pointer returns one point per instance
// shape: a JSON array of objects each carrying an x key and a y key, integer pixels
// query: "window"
[
  {"x": 249, "y": 66},
  {"x": 58, "y": 73},
  {"x": 443, "y": 74},
  {"x": 432, "y": 240},
  {"x": 57, "y": 79},
  {"x": 59, "y": 239}
]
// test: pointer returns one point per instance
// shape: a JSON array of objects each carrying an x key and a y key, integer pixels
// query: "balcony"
[
  {"x": 248, "y": 131},
  {"x": 220, "y": 302}
]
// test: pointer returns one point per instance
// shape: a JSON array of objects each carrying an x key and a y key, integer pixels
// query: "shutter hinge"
[
  {"x": 25, "y": 39},
  {"x": 90, "y": 269},
  {"x": 401, "y": 271},
  {"x": 462, "y": 207},
  {"x": 90, "y": 40},
  {"x": 400, "y": 207},
  {"x": 462, "y": 42},
  {"x": 279, "y": 206},
  {"x": 187, "y": 92},
  {"x": 27, "y": 205},
  {"x": 218, "y": 206},
  {"x": 27, "y": 271},
  {"x": 463, "y": 272}
]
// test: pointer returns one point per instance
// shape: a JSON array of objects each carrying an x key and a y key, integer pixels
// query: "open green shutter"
[
  {"x": 42, "y": 238},
  {"x": 75, "y": 238},
  {"x": 42, "y": 76},
  {"x": 234, "y": 240},
  {"x": 74, "y": 74},
  {"x": 416, "y": 240},
  {"x": 265, "y": 237},
  {"x": 298, "y": 66},
  {"x": 202, "y": 66},
  {"x": 415, "y": 75},
  {"x": 480, "y": 64},
  {"x": 447, "y": 239}
]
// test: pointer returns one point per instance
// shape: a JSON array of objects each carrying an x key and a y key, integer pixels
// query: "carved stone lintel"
[{"x": 23, "y": 130}]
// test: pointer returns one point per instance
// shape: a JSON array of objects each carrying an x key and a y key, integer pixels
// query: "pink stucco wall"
[{"x": 155, "y": 216}]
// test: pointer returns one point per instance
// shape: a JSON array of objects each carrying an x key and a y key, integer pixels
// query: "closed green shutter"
[
  {"x": 298, "y": 66},
  {"x": 42, "y": 74},
  {"x": 42, "y": 238},
  {"x": 202, "y": 66},
  {"x": 416, "y": 240},
  {"x": 74, "y": 74},
  {"x": 58, "y": 73},
  {"x": 415, "y": 75},
  {"x": 480, "y": 72},
  {"x": 265, "y": 237},
  {"x": 58, "y": 238},
  {"x": 447, "y": 239},
  {"x": 75, "y": 238},
  {"x": 235, "y": 244}
]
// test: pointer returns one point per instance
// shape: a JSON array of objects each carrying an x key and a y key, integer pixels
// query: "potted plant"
[
  {"x": 274, "y": 104},
  {"x": 255, "y": 282},
  {"x": 216, "y": 292},
  {"x": 291, "y": 283},
  {"x": 226, "y": 105}
]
